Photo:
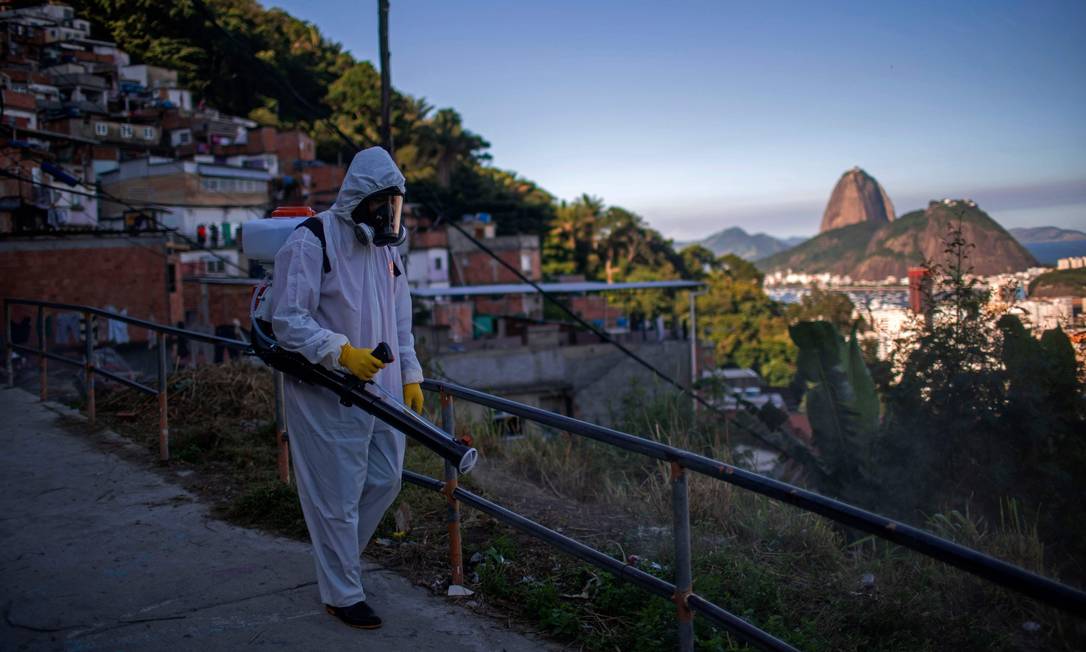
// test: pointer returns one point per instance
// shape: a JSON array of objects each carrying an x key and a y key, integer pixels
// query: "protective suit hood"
[{"x": 371, "y": 170}]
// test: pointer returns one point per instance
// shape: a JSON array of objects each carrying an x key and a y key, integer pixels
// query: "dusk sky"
[{"x": 704, "y": 115}]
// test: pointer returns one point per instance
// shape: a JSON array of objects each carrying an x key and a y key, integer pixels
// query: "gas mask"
[{"x": 377, "y": 219}]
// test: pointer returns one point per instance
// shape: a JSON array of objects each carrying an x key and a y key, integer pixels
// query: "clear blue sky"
[{"x": 703, "y": 115}]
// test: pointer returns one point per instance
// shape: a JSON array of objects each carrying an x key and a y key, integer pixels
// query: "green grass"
[{"x": 792, "y": 573}]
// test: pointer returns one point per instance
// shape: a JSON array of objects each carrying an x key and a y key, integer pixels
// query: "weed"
[{"x": 792, "y": 573}]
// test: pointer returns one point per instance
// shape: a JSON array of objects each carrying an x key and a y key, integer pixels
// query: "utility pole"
[
  {"x": 386, "y": 74},
  {"x": 694, "y": 341}
]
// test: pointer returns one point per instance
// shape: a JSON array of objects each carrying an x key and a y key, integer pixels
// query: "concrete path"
[{"x": 97, "y": 553}]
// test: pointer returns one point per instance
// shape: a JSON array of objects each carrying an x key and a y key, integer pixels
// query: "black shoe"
[{"x": 358, "y": 615}]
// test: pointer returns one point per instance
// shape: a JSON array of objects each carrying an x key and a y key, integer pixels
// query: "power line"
[
  {"x": 104, "y": 195},
  {"x": 603, "y": 335},
  {"x": 210, "y": 15},
  {"x": 144, "y": 203}
]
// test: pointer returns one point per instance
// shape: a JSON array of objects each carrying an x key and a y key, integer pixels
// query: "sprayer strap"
[{"x": 316, "y": 227}]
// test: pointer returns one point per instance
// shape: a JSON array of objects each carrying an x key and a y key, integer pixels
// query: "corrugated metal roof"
[{"x": 552, "y": 288}]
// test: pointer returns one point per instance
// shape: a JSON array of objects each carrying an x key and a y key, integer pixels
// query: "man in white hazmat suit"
[{"x": 334, "y": 302}]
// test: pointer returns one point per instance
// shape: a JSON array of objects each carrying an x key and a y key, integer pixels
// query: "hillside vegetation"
[
  {"x": 871, "y": 251},
  {"x": 1059, "y": 283},
  {"x": 792, "y": 573},
  {"x": 265, "y": 64}
]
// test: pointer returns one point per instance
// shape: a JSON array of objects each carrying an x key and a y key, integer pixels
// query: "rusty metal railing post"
[
  {"x": 9, "y": 364},
  {"x": 43, "y": 366},
  {"x": 452, "y": 508},
  {"x": 281, "y": 442},
  {"x": 680, "y": 507},
  {"x": 163, "y": 401}
]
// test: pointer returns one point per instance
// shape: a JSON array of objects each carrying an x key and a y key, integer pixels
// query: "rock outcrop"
[
  {"x": 871, "y": 252},
  {"x": 857, "y": 198}
]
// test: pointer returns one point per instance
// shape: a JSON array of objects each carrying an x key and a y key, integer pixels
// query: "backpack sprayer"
[{"x": 261, "y": 241}]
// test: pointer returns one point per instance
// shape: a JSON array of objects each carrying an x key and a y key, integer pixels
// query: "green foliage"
[
  {"x": 263, "y": 63},
  {"x": 271, "y": 505},
  {"x": 748, "y": 328},
  {"x": 607, "y": 243},
  {"x": 863, "y": 385},
  {"x": 826, "y": 305},
  {"x": 699, "y": 261},
  {"x": 824, "y": 250},
  {"x": 1059, "y": 282},
  {"x": 248, "y": 60},
  {"x": 974, "y": 413},
  {"x": 741, "y": 269},
  {"x": 841, "y": 403},
  {"x": 260, "y": 54}
]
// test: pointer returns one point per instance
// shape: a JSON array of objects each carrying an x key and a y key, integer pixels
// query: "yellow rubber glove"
[
  {"x": 412, "y": 396},
  {"x": 360, "y": 362}
]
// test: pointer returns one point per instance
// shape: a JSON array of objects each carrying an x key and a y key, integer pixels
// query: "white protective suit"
[{"x": 346, "y": 463}]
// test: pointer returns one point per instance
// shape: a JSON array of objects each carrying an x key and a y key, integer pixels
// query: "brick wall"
[
  {"x": 594, "y": 308},
  {"x": 224, "y": 302},
  {"x": 457, "y": 316},
  {"x": 478, "y": 268},
  {"x": 293, "y": 146},
  {"x": 519, "y": 305},
  {"x": 92, "y": 271}
]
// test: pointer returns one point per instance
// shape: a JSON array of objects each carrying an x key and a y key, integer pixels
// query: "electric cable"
[
  {"x": 212, "y": 18},
  {"x": 101, "y": 194}
]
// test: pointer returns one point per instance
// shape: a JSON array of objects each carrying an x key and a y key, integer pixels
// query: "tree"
[
  {"x": 444, "y": 141},
  {"x": 740, "y": 269},
  {"x": 747, "y": 327},
  {"x": 243, "y": 59},
  {"x": 698, "y": 262},
  {"x": 571, "y": 241},
  {"x": 834, "y": 307},
  {"x": 980, "y": 412}
]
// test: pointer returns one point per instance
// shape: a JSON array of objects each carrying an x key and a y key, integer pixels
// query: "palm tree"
[{"x": 447, "y": 144}]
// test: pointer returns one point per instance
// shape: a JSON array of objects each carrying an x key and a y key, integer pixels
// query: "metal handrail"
[
  {"x": 683, "y": 596},
  {"x": 687, "y": 602},
  {"x": 623, "y": 570},
  {"x": 1008, "y": 575},
  {"x": 91, "y": 370},
  {"x": 142, "y": 323}
]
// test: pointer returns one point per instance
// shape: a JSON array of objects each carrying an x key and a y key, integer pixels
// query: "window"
[
  {"x": 171, "y": 278},
  {"x": 148, "y": 133},
  {"x": 184, "y": 137},
  {"x": 101, "y": 129},
  {"x": 525, "y": 263},
  {"x": 126, "y": 131},
  {"x": 437, "y": 264}
]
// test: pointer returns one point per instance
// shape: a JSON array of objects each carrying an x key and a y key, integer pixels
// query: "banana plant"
[{"x": 841, "y": 402}]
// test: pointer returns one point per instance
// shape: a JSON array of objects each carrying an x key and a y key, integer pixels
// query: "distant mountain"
[
  {"x": 856, "y": 198},
  {"x": 737, "y": 241},
  {"x": 872, "y": 251},
  {"x": 1045, "y": 234}
]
